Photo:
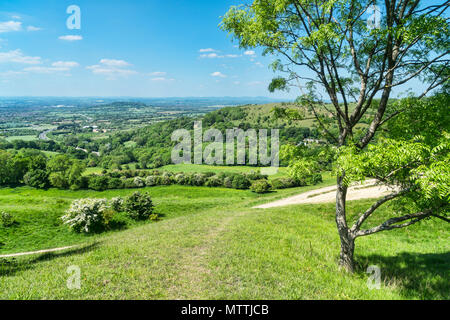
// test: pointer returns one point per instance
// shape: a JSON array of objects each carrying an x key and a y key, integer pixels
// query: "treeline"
[
  {"x": 41, "y": 145},
  {"x": 37, "y": 145},
  {"x": 33, "y": 168}
]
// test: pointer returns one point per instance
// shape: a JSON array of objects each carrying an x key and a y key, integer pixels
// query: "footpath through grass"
[{"x": 211, "y": 245}]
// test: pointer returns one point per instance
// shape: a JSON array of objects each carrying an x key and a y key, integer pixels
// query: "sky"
[
  {"x": 133, "y": 48},
  {"x": 148, "y": 48}
]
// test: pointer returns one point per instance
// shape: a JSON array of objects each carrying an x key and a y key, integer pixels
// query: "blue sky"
[{"x": 150, "y": 48}]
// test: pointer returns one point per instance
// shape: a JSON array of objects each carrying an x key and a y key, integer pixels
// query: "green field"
[
  {"x": 210, "y": 244},
  {"x": 24, "y": 138}
]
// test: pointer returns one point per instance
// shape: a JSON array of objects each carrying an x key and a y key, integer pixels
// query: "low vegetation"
[{"x": 210, "y": 245}]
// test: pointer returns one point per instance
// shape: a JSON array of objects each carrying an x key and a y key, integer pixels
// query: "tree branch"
[{"x": 393, "y": 223}]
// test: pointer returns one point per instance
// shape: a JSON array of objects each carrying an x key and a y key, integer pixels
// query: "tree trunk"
[
  {"x": 347, "y": 251},
  {"x": 347, "y": 239}
]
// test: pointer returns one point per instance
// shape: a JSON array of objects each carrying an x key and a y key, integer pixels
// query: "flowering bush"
[
  {"x": 181, "y": 179},
  {"x": 151, "y": 181},
  {"x": 165, "y": 179},
  {"x": 117, "y": 204},
  {"x": 6, "y": 219},
  {"x": 198, "y": 179},
  {"x": 214, "y": 181},
  {"x": 86, "y": 215},
  {"x": 228, "y": 182},
  {"x": 139, "y": 182}
]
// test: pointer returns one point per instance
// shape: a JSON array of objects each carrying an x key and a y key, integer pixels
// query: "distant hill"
[{"x": 152, "y": 144}]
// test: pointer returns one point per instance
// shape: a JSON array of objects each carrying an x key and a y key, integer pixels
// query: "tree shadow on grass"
[
  {"x": 10, "y": 266},
  {"x": 416, "y": 275}
]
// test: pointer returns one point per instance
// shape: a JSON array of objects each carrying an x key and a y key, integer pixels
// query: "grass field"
[
  {"x": 24, "y": 138},
  {"x": 212, "y": 245}
]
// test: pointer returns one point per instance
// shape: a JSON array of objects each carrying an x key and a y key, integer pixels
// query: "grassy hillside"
[
  {"x": 151, "y": 146},
  {"x": 211, "y": 245}
]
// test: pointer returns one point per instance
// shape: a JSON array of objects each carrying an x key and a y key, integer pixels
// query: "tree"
[
  {"x": 36, "y": 178},
  {"x": 327, "y": 47},
  {"x": 65, "y": 172}
]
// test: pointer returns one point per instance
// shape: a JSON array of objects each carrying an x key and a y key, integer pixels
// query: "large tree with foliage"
[{"x": 328, "y": 48}]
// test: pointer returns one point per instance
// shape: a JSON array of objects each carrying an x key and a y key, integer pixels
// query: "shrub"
[
  {"x": 139, "y": 206},
  {"x": 198, "y": 179},
  {"x": 151, "y": 181},
  {"x": 139, "y": 182},
  {"x": 228, "y": 182},
  {"x": 115, "y": 183},
  {"x": 283, "y": 183},
  {"x": 117, "y": 204},
  {"x": 260, "y": 186},
  {"x": 253, "y": 175},
  {"x": 129, "y": 183},
  {"x": 181, "y": 179},
  {"x": 214, "y": 181},
  {"x": 209, "y": 174},
  {"x": 165, "y": 180},
  {"x": 98, "y": 183},
  {"x": 86, "y": 215},
  {"x": 241, "y": 182},
  {"x": 7, "y": 219}
]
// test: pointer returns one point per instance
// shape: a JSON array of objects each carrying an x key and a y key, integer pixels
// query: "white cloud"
[
  {"x": 216, "y": 56},
  {"x": 10, "y": 26},
  {"x": 162, "y": 79},
  {"x": 65, "y": 64},
  {"x": 114, "y": 63},
  {"x": 218, "y": 74},
  {"x": 56, "y": 67},
  {"x": 209, "y": 56},
  {"x": 111, "y": 68},
  {"x": 97, "y": 69},
  {"x": 207, "y": 50},
  {"x": 16, "y": 17},
  {"x": 17, "y": 56},
  {"x": 33, "y": 28},
  {"x": 158, "y": 73},
  {"x": 70, "y": 38},
  {"x": 46, "y": 70},
  {"x": 250, "y": 53}
]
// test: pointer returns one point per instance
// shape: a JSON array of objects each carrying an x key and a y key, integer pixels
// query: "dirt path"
[
  {"x": 366, "y": 191},
  {"x": 194, "y": 270},
  {"x": 36, "y": 252}
]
